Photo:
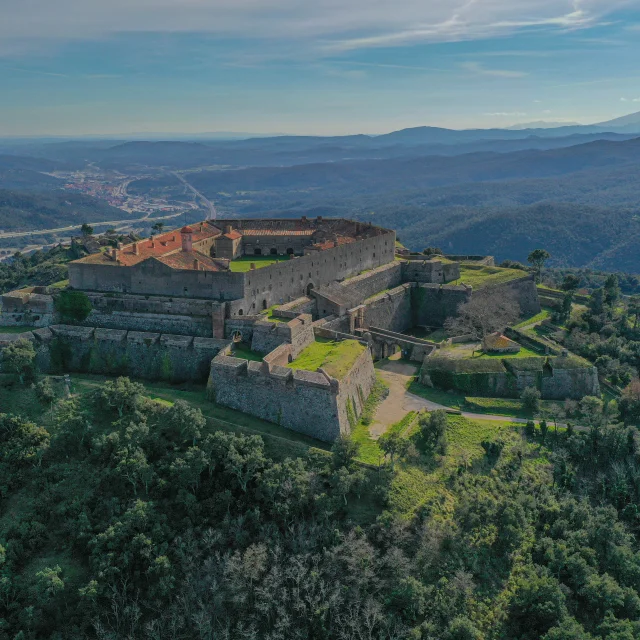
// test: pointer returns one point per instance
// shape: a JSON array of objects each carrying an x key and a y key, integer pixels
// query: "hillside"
[{"x": 22, "y": 210}]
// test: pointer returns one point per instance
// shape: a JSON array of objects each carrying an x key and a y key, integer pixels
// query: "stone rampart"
[
  {"x": 31, "y": 306},
  {"x": 308, "y": 402},
  {"x": 525, "y": 292},
  {"x": 269, "y": 335},
  {"x": 431, "y": 271},
  {"x": 372, "y": 282},
  {"x": 151, "y": 356},
  {"x": 390, "y": 310},
  {"x": 432, "y": 304}
]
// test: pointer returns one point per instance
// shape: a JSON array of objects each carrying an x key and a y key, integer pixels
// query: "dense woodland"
[
  {"x": 40, "y": 268},
  {"x": 122, "y": 517}
]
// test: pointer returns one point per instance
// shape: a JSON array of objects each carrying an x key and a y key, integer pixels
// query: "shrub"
[
  {"x": 531, "y": 399},
  {"x": 73, "y": 305}
]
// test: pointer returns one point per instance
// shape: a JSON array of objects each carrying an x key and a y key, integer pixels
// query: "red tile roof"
[
  {"x": 329, "y": 244},
  {"x": 233, "y": 235},
  {"x": 277, "y": 232}
]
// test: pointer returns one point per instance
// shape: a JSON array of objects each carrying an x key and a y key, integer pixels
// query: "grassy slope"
[
  {"x": 479, "y": 276},
  {"x": 336, "y": 358}
]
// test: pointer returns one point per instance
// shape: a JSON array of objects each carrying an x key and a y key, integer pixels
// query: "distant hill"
[
  {"x": 21, "y": 210},
  {"x": 541, "y": 124},
  {"x": 625, "y": 121}
]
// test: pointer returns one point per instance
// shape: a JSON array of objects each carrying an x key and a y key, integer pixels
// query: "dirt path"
[{"x": 399, "y": 402}]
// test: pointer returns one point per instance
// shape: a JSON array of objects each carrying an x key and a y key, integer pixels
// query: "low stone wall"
[
  {"x": 269, "y": 335},
  {"x": 151, "y": 356},
  {"x": 308, "y": 402},
  {"x": 556, "y": 378},
  {"x": 372, "y": 282}
]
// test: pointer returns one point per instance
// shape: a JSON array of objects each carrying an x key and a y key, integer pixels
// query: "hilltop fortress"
[{"x": 243, "y": 301}]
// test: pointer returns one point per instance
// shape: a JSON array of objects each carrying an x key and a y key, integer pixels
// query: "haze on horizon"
[{"x": 166, "y": 66}]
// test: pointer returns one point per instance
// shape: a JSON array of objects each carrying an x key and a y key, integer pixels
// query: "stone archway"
[
  {"x": 236, "y": 336},
  {"x": 310, "y": 288}
]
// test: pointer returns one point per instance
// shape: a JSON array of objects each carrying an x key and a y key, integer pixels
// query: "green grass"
[
  {"x": 479, "y": 276},
  {"x": 523, "y": 353},
  {"x": 243, "y": 264},
  {"x": 336, "y": 358},
  {"x": 241, "y": 350},
  {"x": 279, "y": 441},
  {"x": 16, "y": 329},
  {"x": 539, "y": 317},
  {"x": 424, "y": 481},
  {"x": 62, "y": 284},
  {"x": 267, "y": 314},
  {"x": 452, "y": 399}
]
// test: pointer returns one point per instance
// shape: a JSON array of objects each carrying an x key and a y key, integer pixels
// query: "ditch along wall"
[
  {"x": 309, "y": 402},
  {"x": 150, "y": 356}
]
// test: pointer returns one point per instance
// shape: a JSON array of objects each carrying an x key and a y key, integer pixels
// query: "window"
[
  {"x": 241, "y": 312},
  {"x": 264, "y": 305}
]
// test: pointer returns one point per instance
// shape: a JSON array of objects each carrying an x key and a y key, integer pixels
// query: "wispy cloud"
[
  {"x": 326, "y": 25},
  {"x": 506, "y": 114},
  {"x": 478, "y": 69},
  {"x": 629, "y": 99}
]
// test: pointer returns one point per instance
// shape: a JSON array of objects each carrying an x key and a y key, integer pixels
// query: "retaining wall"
[
  {"x": 151, "y": 356},
  {"x": 390, "y": 310}
]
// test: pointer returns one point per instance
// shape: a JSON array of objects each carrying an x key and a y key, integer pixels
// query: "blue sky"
[{"x": 71, "y": 67}]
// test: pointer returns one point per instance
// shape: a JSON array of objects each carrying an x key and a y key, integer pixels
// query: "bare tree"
[{"x": 485, "y": 313}]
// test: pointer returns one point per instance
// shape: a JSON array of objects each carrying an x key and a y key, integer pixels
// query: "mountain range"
[{"x": 571, "y": 188}]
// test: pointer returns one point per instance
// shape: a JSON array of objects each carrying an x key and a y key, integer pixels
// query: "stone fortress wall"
[
  {"x": 310, "y": 402},
  {"x": 557, "y": 378},
  {"x": 150, "y": 356}
]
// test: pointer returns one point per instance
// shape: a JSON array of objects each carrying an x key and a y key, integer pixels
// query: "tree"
[
  {"x": 45, "y": 392},
  {"x": 565, "y": 310},
  {"x": 433, "y": 427},
  {"x": 485, "y": 313},
  {"x": 536, "y": 259},
  {"x": 121, "y": 394},
  {"x": 611, "y": 290},
  {"x": 49, "y": 582},
  {"x": 570, "y": 283},
  {"x": 394, "y": 446},
  {"x": 86, "y": 229},
  {"x": 241, "y": 457},
  {"x": 19, "y": 358},
  {"x": 633, "y": 305},
  {"x": 344, "y": 451},
  {"x": 531, "y": 399},
  {"x": 158, "y": 227},
  {"x": 537, "y": 605},
  {"x": 188, "y": 421},
  {"x": 73, "y": 305},
  {"x": 432, "y": 251},
  {"x": 591, "y": 410},
  {"x": 629, "y": 405}
]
